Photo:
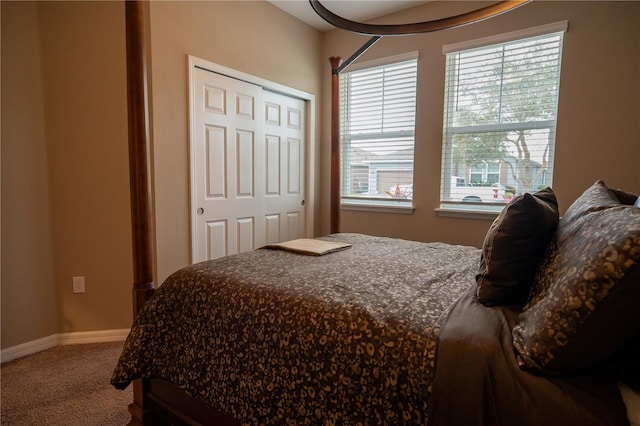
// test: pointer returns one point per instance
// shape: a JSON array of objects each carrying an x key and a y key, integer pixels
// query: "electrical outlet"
[{"x": 78, "y": 284}]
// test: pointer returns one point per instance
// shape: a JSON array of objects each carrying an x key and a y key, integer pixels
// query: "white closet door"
[
  {"x": 284, "y": 203},
  {"x": 247, "y": 166}
]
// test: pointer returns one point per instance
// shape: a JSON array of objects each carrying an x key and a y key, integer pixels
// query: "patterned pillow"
[
  {"x": 587, "y": 301},
  {"x": 514, "y": 246}
]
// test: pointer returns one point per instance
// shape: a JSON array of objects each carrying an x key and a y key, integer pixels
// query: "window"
[
  {"x": 377, "y": 126},
  {"x": 500, "y": 118}
]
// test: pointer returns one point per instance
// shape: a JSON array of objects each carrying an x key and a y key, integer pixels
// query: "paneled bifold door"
[{"x": 247, "y": 166}]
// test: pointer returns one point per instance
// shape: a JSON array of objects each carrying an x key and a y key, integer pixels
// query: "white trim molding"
[
  {"x": 555, "y": 27},
  {"x": 28, "y": 348},
  {"x": 100, "y": 336},
  {"x": 384, "y": 61},
  {"x": 80, "y": 337}
]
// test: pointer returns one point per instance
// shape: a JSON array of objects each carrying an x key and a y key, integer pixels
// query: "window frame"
[
  {"x": 448, "y": 207},
  {"x": 378, "y": 204}
]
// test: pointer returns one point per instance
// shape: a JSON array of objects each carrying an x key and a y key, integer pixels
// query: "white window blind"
[
  {"x": 377, "y": 117},
  {"x": 499, "y": 121}
]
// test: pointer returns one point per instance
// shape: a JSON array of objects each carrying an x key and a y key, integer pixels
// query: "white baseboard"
[
  {"x": 79, "y": 337},
  {"x": 28, "y": 348},
  {"x": 100, "y": 336}
]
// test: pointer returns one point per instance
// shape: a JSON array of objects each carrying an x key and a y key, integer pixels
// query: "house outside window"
[
  {"x": 377, "y": 132},
  {"x": 501, "y": 97},
  {"x": 485, "y": 173}
]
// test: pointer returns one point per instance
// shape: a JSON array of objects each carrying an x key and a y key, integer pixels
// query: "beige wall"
[
  {"x": 252, "y": 37},
  {"x": 28, "y": 296},
  {"x": 84, "y": 75},
  {"x": 65, "y": 190},
  {"x": 598, "y": 134},
  {"x": 65, "y": 209}
]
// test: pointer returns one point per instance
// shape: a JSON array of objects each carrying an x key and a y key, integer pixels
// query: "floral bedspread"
[{"x": 274, "y": 337}]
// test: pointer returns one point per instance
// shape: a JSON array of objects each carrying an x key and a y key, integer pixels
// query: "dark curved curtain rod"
[{"x": 418, "y": 27}]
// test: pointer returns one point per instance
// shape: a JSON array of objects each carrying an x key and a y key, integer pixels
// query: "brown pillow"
[
  {"x": 513, "y": 247},
  {"x": 625, "y": 197},
  {"x": 588, "y": 292}
]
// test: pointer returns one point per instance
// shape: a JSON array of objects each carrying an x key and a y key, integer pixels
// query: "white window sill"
[
  {"x": 467, "y": 213},
  {"x": 377, "y": 207}
]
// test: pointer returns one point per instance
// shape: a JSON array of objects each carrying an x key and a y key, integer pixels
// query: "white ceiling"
[{"x": 355, "y": 10}]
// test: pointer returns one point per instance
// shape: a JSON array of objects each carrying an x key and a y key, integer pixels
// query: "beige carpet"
[{"x": 65, "y": 385}]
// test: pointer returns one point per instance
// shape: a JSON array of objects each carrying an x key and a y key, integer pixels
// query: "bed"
[
  {"x": 306, "y": 339},
  {"x": 542, "y": 320},
  {"x": 390, "y": 331}
]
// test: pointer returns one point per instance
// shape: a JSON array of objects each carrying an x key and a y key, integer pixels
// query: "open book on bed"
[{"x": 309, "y": 246}]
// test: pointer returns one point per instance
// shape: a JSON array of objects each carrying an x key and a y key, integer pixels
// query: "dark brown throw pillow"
[
  {"x": 513, "y": 247},
  {"x": 624, "y": 197},
  {"x": 588, "y": 288}
]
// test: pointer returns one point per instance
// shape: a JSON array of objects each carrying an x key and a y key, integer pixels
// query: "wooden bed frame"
[{"x": 157, "y": 401}]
